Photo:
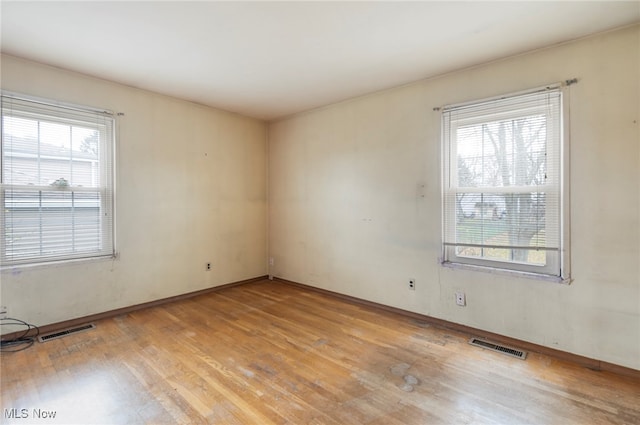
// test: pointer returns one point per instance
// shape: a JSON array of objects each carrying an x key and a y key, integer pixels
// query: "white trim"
[
  {"x": 102, "y": 243},
  {"x": 508, "y": 107},
  {"x": 565, "y": 187},
  {"x": 506, "y": 272}
]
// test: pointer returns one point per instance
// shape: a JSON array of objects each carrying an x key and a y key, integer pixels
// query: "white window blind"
[
  {"x": 57, "y": 182},
  {"x": 502, "y": 182}
]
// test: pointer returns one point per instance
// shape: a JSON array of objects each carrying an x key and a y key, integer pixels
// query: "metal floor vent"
[
  {"x": 69, "y": 331},
  {"x": 510, "y": 351}
]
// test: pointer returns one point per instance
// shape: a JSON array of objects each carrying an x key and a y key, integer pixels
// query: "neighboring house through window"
[
  {"x": 503, "y": 183},
  {"x": 57, "y": 182}
]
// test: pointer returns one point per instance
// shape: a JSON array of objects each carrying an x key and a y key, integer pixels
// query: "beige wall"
[
  {"x": 190, "y": 190},
  {"x": 347, "y": 212}
]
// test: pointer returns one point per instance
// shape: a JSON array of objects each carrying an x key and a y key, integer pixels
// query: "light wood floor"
[{"x": 272, "y": 353}]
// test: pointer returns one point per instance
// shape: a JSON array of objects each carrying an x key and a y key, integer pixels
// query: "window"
[
  {"x": 502, "y": 183},
  {"x": 56, "y": 182}
]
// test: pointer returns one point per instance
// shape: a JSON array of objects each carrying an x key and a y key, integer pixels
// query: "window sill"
[
  {"x": 507, "y": 272},
  {"x": 18, "y": 268}
]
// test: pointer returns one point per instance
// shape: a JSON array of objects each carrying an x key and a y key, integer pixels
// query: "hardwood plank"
[
  {"x": 527, "y": 346},
  {"x": 269, "y": 352}
]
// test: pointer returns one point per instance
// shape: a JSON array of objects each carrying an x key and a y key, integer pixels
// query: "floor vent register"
[
  {"x": 69, "y": 331},
  {"x": 494, "y": 346}
]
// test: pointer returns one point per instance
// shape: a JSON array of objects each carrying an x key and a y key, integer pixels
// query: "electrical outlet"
[
  {"x": 271, "y": 261},
  {"x": 208, "y": 266},
  {"x": 4, "y": 311},
  {"x": 412, "y": 284},
  {"x": 461, "y": 299}
]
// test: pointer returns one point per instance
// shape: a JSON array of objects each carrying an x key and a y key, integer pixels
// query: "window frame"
[
  {"x": 54, "y": 112},
  {"x": 557, "y": 261}
]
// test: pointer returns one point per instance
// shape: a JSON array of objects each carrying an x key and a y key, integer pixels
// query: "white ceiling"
[{"x": 272, "y": 59}]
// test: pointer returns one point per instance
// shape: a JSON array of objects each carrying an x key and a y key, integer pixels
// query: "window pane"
[
  {"x": 509, "y": 220},
  {"x": 51, "y": 223},
  {"x": 502, "y": 153}
]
